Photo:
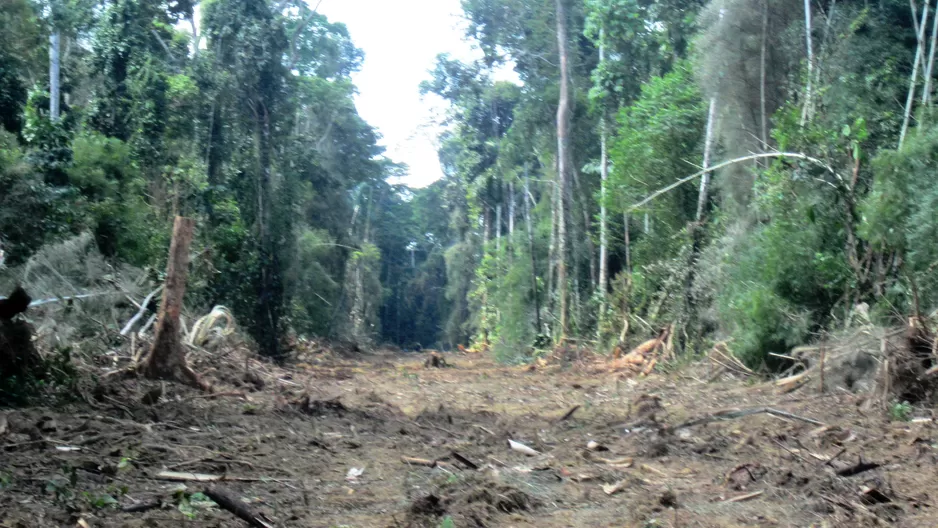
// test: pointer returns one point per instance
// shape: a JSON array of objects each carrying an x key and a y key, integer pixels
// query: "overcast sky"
[{"x": 401, "y": 39}]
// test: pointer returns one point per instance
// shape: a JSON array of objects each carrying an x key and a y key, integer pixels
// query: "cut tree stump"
[{"x": 167, "y": 359}]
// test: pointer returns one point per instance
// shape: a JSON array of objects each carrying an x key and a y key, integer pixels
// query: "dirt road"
[{"x": 325, "y": 446}]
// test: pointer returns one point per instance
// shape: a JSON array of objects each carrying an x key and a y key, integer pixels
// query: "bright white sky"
[{"x": 401, "y": 39}]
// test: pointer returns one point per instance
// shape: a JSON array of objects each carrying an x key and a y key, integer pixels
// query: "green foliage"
[
  {"x": 898, "y": 213},
  {"x": 32, "y": 212},
  {"x": 189, "y": 504},
  {"x": 314, "y": 286},
  {"x": 901, "y": 412},
  {"x": 48, "y": 142}
]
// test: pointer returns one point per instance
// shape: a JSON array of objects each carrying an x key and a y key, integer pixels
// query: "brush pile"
[{"x": 898, "y": 364}]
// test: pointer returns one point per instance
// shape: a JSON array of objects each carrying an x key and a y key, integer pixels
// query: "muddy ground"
[{"x": 292, "y": 446}]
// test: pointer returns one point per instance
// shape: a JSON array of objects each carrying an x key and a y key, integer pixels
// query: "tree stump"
[{"x": 167, "y": 359}]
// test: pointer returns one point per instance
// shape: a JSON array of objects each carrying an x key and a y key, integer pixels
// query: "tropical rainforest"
[{"x": 756, "y": 171}]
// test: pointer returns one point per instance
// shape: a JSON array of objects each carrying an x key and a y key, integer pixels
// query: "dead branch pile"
[{"x": 887, "y": 364}]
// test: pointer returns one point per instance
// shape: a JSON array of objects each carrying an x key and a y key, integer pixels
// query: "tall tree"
[{"x": 564, "y": 161}]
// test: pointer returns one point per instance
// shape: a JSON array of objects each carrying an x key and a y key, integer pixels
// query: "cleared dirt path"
[{"x": 289, "y": 448}]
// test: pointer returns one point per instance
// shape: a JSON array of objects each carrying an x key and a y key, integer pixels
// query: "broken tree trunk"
[{"x": 167, "y": 359}]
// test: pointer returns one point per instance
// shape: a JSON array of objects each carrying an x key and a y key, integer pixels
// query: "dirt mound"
[{"x": 474, "y": 500}]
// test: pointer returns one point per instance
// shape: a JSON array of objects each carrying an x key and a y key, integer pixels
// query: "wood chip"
[
  {"x": 612, "y": 489},
  {"x": 521, "y": 448}
]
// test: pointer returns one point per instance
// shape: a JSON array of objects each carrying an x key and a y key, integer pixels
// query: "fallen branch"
[
  {"x": 182, "y": 476},
  {"x": 569, "y": 413},
  {"x": 418, "y": 461},
  {"x": 732, "y": 414},
  {"x": 238, "y": 508},
  {"x": 741, "y": 498},
  {"x": 468, "y": 463},
  {"x": 143, "y": 310},
  {"x": 682, "y": 181},
  {"x": 412, "y": 461}
]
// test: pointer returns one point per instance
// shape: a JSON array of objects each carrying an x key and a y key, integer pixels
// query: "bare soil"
[{"x": 292, "y": 446}]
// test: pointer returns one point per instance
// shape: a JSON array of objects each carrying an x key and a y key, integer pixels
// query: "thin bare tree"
[{"x": 564, "y": 161}]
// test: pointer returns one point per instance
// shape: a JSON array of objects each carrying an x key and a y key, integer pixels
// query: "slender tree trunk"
[
  {"x": 825, "y": 40},
  {"x": 511, "y": 209},
  {"x": 563, "y": 161},
  {"x": 486, "y": 226},
  {"x": 919, "y": 53},
  {"x": 697, "y": 232},
  {"x": 268, "y": 309},
  {"x": 528, "y": 199},
  {"x": 55, "y": 95},
  {"x": 628, "y": 241},
  {"x": 703, "y": 195},
  {"x": 926, "y": 93},
  {"x": 921, "y": 38},
  {"x": 810, "y": 45},
  {"x": 552, "y": 248},
  {"x": 498, "y": 228},
  {"x": 765, "y": 37},
  {"x": 213, "y": 157},
  {"x": 626, "y": 277},
  {"x": 167, "y": 358},
  {"x": 196, "y": 37},
  {"x": 604, "y": 176}
]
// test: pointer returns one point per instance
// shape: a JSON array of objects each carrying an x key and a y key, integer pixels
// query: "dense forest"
[{"x": 753, "y": 170}]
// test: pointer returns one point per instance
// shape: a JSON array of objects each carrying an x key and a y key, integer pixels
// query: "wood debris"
[
  {"x": 612, "y": 489},
  {"x": 183, "y": 476},
  {"x": 747, "y": 496},
  {"x": 465, "y": 461},
  {"x": 414, "y": 461},
  {"x": 567, "y": 415},
  {"x": 521, "y": 448},
  {"x": 643, "y": 358},
  {"x": 732, "y": 414}
]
